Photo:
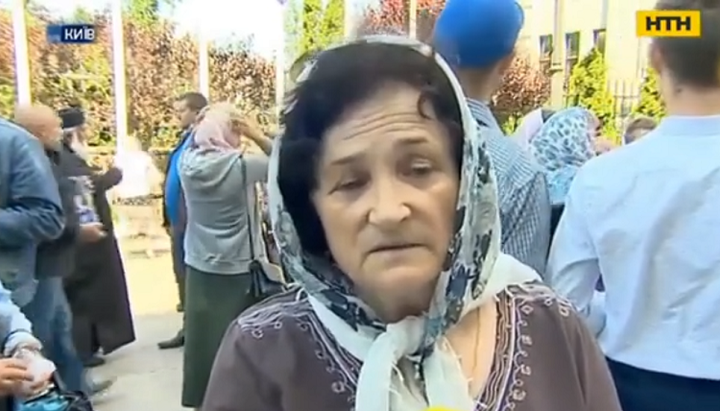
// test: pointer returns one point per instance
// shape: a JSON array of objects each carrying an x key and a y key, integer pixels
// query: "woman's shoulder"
[
  {"x": 273, "y": 347},
  {"x": 537, "y": 302},
  {"x": 282, "y": 322},
  {"x": 280, "y": 313}
]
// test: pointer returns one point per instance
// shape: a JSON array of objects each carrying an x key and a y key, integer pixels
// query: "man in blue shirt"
[
  {"x": 477, "y": 38},
  {"x": 187, "y": 106}
]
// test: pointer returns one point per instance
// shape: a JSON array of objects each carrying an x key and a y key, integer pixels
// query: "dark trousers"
[
  {"x": 51, "y": 318},
  {"x": 177, "y": 249},
  {"x": 642, "y": 390}
]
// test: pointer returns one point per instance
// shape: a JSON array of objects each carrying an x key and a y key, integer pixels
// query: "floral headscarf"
[
  {"x": 475, "y": 271},
  {"x": 562, "y": 146}
]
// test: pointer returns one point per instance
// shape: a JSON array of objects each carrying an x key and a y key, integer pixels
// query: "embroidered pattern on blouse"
[
  {"x": 505, "y": 387},
  {"x": 522, "y": 301},
  {"x": 344, "y": 368}
]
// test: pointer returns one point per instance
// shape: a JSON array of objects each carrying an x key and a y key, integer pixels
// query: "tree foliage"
[
  {"x": 392, "y": 17},
  {"x": 159, "y": 66},
  {"x": 524, "y": 89},
  {"x": 314, "y": 25},
  {"x": 650, "y": 103},
  {"x": 587, "y": 87}
]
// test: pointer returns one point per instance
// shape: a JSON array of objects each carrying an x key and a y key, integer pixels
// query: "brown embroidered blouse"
[{"x": 279, "y": 357}]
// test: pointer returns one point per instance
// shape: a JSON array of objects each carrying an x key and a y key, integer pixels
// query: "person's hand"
[
  {"x": 115, "y": 174},
  {"x": 13, "y": 373},
  {"x": 36, "y": 387},
  {"x": 249, "y": 127},
  {"x": 92, "y": 232}
]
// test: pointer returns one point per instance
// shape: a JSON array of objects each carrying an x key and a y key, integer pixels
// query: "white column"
[
  {"x": 412, "y": 19},
  {"x": 22, "y": 61},
  {"x": 348, "y": 16},
  {"x": 204, "y": 55},
  {"x": 280, "y": 63},
  {"x": 119, "y": 78}
]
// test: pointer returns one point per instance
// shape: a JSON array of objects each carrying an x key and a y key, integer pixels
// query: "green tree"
[
  {"x": 82, "y": 15},
  {"x": 146, "y": 12},
  {"x": 650, "y": 103},
  {"x": 587, "y": 87},
  {"x": 314, "y": 25}
]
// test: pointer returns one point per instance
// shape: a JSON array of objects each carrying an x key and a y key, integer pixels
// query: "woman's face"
[{"x": 386, "y": 195}]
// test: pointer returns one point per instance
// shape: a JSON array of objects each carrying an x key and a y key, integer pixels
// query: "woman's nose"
[{"x": 389, "y": 204}]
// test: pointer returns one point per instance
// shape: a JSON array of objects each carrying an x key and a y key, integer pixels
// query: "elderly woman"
[
  {"x": 222, "y": 213},
  {"x": 561, "y": 147},
  {"x": 385, "y": 210}
]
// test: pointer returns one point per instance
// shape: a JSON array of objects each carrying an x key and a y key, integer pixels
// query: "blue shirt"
[
  {"x": 645, "y": 218},
  {"x": 172, "y": 180},
  {"x": 522, "y": 194}
]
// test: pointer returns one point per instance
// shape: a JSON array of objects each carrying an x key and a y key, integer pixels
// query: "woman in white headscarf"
[{"x": 384, "y": 207}]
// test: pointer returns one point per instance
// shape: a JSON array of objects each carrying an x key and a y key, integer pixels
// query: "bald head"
[{"x": 41, "y": 121}]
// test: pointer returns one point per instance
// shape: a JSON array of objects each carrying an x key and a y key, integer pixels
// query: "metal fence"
[{"x": 626, "y": 95}]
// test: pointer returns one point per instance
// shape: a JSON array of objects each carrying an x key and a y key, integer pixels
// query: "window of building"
[
  {"x": 572, "y": 50},
  {"x": 546, "y": 45},
  {"x": 599, "y": 39}
]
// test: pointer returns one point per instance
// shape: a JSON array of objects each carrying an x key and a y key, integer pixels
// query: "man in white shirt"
[{"x": 645, "y": 218}]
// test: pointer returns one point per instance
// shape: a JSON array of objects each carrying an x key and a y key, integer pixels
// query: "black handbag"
[{"x": 266, "y": 279}]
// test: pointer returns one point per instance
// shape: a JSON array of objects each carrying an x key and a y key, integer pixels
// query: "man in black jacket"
[{"x": 49, "y": 310}]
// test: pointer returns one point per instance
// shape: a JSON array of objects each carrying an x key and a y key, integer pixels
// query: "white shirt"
[{"x": 647, "y": 218}]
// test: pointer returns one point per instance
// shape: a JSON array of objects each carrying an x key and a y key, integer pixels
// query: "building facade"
[{"x": 607, "y": 24}]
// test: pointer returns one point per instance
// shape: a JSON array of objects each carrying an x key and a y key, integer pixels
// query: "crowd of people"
[
  {"x": 432, "y": 261},
  {"x": 63, "y": 282}
]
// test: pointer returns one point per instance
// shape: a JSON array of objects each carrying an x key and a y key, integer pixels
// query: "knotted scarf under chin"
[{"x": 388, "y": 379}]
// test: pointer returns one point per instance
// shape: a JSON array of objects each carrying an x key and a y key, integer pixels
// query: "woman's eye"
[
  {"x": 349, "y": 185},
  {"x": 420, "y": 167}
]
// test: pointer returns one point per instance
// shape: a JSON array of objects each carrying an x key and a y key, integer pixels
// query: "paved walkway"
[{"x": 147, "y": 378}]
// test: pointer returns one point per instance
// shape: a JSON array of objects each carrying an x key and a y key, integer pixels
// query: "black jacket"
[{"x": 57, "y": 258}]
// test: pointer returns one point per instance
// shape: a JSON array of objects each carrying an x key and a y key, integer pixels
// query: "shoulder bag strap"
[{"x": 243, "y": 170}]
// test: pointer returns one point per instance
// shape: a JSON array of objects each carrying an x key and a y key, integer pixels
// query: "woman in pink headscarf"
[{"x": 218, "y": 180}]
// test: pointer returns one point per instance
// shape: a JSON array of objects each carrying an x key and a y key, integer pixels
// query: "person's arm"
[
  {"x": 107, "y": 180},
  {"x": 34, "y": 212},
  {"x": 256, "y": 166},
  {"x": 264, "y": 142},
  {"x": 70, "y": 233},
  {"x": 237, "y": 382},
  {"x": 573, "y": 268},
  {"x": 17, "y": 327},
  {"x": 527, "y": 231}
]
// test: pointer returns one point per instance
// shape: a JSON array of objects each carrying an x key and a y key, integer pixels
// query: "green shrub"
[
  {"x": 587, "y": 87},
  {"x": 650, "y": 103}
]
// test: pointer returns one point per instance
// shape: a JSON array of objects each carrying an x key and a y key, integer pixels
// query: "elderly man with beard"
[
  {"x": 49, "y": 311},
  {"x": 96, "y": 289}
]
